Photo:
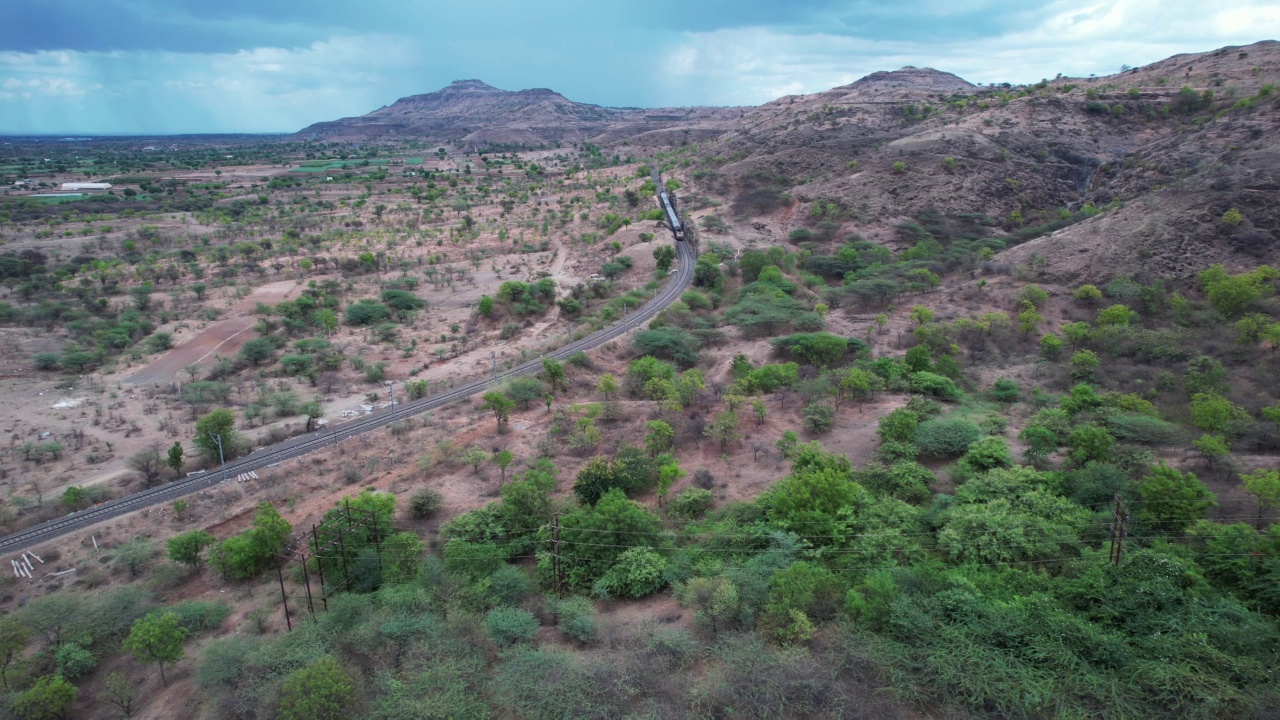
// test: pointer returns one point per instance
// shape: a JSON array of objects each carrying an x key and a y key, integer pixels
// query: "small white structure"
[{"x": 86, "y": 186}]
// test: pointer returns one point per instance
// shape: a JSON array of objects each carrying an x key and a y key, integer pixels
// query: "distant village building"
[{"x": 82, "y": 187}]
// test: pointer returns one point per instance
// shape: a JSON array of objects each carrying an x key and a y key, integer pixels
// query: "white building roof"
[{"x": 86, "y": 186}]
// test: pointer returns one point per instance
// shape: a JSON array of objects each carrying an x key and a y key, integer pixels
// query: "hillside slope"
[{"x": 1167, "y": 149}]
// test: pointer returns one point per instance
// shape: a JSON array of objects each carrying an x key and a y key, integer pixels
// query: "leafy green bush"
[
  {"x": 199, "y": 616},
  {"x": 1144, "y": 429},
  {"x": 905, "y": 480},
  {"x": 1005, "y": 390},
  {"x": 508, "y": 626},
  {"x": 689, "y": 503},
  {"x": 73, "y": 661},
  {"x": 508, "y": 585},
  {"x": 636, "y": 573},
  {"x": 576, "y": 618},
  {"x": 669, "y": 343},
  {"x": 425, "y": 503},
  {"x": 935, "y": 385},
  {"x": 946, "y": 437},
  {"x": 818, "y": 417}
]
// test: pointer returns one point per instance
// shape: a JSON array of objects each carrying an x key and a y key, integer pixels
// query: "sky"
[{"x": 247, "y": 66}]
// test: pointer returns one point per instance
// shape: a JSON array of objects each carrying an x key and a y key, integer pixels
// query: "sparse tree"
[
  {"x": 147, "y": 463},
  {"x": 475, "y": 457},
  {"x": 1264, "y": 486},
  {"x": 724, "y": 428},
  {"x": 120, "y": 692},
  {"x": 503, "y": 459},
  {"x": 501, "y": 406},
  {"x": 607, "y": 385},
  {"x": 175, "y": 459},
  {"x": 157, "y": 637},
  {"x": 13, "y": 642},
  {"x": 186, "y": 548}
]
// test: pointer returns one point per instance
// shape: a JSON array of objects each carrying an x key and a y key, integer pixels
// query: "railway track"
[{"x": 298, "y": 446}]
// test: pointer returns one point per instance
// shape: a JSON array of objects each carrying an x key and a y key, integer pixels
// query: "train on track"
[{"x": 667, "y": 204}]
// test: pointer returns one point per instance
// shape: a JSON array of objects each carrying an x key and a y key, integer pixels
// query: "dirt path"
[{"x": 224, "y": 336}]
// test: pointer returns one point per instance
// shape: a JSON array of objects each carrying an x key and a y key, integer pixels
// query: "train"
[{"x": 667, "y": 204}]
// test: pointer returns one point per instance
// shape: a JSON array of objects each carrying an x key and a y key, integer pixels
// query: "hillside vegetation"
[{"x": 972, "y": 410}]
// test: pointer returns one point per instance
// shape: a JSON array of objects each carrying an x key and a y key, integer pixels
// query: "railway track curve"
[{"x": 304, "y": 444}]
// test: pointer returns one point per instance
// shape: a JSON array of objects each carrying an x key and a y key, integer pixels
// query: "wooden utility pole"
[
  {"x": 342, "y": 548},
  {"x": 306, "y": 579},
  {"x": 557, "y": 571},
  {"x": 1119, "y": 529},
  {"x": 284, "y": 598},
  {"x": 377, "y": 539},
  {"x": 324, "y": 599}
]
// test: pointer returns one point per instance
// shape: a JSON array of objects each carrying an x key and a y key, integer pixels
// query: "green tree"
[
  {"x": 1088, "y": 294},
  {"x": 668, "y": 473},
  {"x": 787, "y": 443},
  {"x": 1050, "y": 347},
  {"x": 595, "y": 535},
  {"x": 501, "y": 406},
  {"x": 760, "y": 409},
  {"x": 186, "y": 548},
  {"x": 175, "y": 459},
  {"x": 1264, "y": 486},
  {"x": 1041, "y": 443},
  {"x": 607, "y": 385},
  {"x": 475, "y": 457},
  {"x": 1076, "y": 333},
  {"x": 135, "y": 555},
  {"x": 855, "y": 384},
  {"x": 1090, "y": 442},
  {"x": 48, "y": 699},
  {"x": 1215, "y": 414},
  {"x": 120, "y": 692},
  {"x": 486, "y": 306},
  {"x": 1119, "y": 315},
  {"x": 554, "y": 371},
  {"x": 660, "y": 437},
  {"x": 921, "y": 314},
  {"x": 724, "y": 428},
  {"x": 1173, "y": 500},
  {"x": 75, "y": 497},
  {"x": 257, "y": 350},
  {"x": 1029, "y": 319},
  {"x": 13, "y": 643},
  {"x": 218, "y": 426},
  {"x": 503, "y": 459},
  {"x": 320, "y": 691},
  {"x": 898, "y": 426},
  {"x": 664, "y": 255},
  {"x": 157, "y": 637}
]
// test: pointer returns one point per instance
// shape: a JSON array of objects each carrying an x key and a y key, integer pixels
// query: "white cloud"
[
  {"x": 755, "y": 65},
  {"x": 259, "y": 89}
]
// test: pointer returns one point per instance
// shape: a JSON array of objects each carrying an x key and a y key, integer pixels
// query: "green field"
[
  {"x": 413, "y": 161},
  {"x": 311, "y": 166},
  {"x": 48, "y": 200}
]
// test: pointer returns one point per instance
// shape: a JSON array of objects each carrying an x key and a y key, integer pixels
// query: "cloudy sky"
[{"x": 198, "y": 66}]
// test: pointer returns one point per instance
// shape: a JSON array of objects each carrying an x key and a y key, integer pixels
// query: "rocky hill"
[
  {"x": 472, "y": 113},
  {"x": 1164, "y": 151}
]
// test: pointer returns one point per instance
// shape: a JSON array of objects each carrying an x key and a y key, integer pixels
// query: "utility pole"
[
  {"x": 392, "y": 387},
  {"x": 306, "y": 578},
  {"x": 283, "y": 597},
  {"x": 222, "y": 459},
  {"x": 557, "y": 572},
  {"x": 494, "y": 355},
  {"x": 324, "y": 599},
  {"x": 1119, "y": 529}
]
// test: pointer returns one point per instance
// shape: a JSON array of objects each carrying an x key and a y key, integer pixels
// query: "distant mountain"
[{"x": 477, "y": 114}]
